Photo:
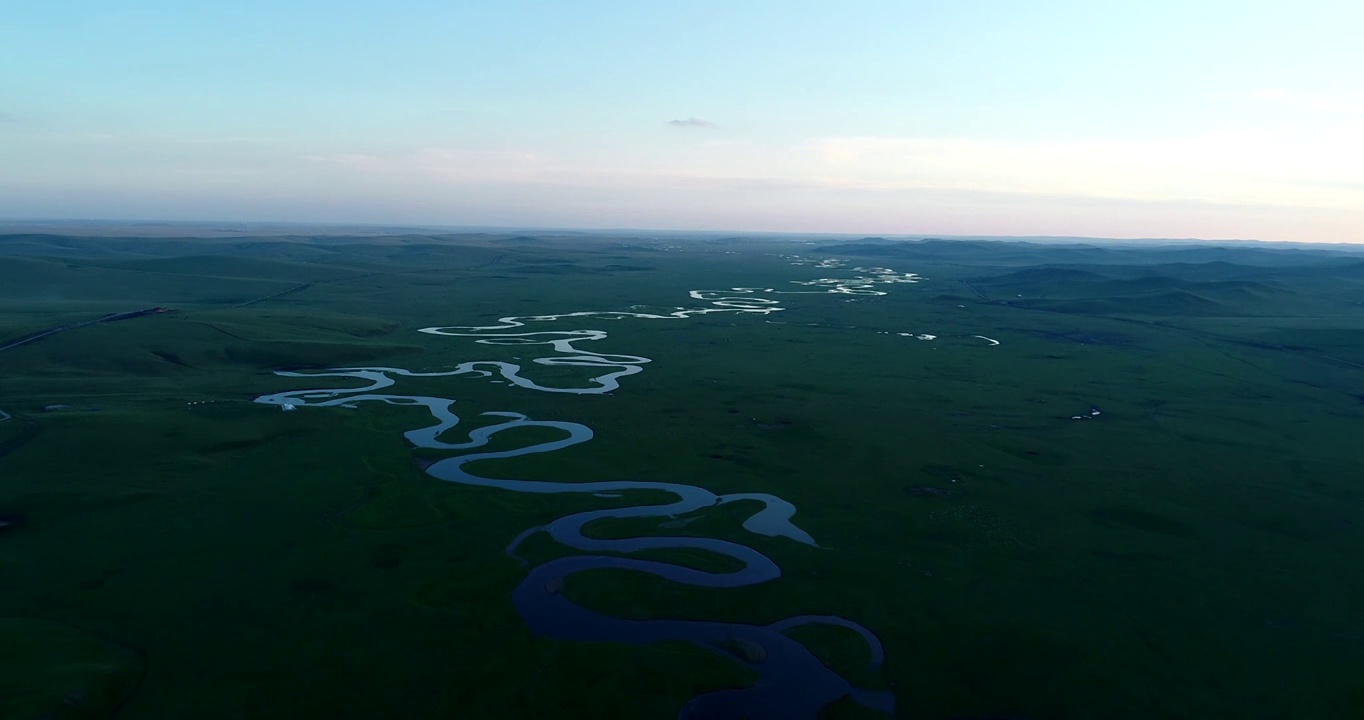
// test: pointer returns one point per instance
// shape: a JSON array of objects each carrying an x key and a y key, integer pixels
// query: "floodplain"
[{"x": 791, "y": 477}]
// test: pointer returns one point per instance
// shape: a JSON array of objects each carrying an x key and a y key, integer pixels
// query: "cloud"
[
  {"x": 1238, "y": 185},
  {"x": 439, "y": 163},
  {"x": 1232, "y": 166},
  {"x": 7, "y": 118},
  {"x": 1339, "y": 103},
  {"x": 692, "y": 122},
  {"x": 1228, "y": 183}
]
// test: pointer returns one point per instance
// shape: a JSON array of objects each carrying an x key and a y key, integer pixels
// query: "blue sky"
[{"x": 1173, "y": 119}]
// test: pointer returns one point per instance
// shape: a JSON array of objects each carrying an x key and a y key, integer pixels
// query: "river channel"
[{"x": 791, "y": 682}]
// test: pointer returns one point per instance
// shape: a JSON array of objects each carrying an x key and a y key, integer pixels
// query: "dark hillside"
[{"x": 1001, "y": 253}]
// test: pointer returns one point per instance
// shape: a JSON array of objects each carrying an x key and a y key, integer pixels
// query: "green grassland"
[{"x": 1192, "y": 551}]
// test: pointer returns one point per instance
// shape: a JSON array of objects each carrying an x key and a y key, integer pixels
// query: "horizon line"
[{"x": 561, "y": 229}]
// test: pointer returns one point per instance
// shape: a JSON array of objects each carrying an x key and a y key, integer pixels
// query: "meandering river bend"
[{"x": 792, "y": 683}]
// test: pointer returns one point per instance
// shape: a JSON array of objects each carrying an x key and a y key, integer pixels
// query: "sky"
[{"x": 1207, "y": 118}]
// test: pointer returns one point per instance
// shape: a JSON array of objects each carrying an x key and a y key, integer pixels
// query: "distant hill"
[
  {"x": 340, "y": 251},
  {"x": 1338, "y": 343},
  {"x": 1001, "y": 253},
  {"x": 1033, "y": 277},
  {"x": 1136, "y": 290},
  {"x": 245, "y": 267},
  {"x": 735, "y": 240},
  {"x": 518, "y": 240},
  {"x": 1175, "y": 302}
]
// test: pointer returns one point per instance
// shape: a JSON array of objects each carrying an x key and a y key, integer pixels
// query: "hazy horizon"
[
  {"x": 1220, "y": 120},
  {"x": 245, "y": 228}
]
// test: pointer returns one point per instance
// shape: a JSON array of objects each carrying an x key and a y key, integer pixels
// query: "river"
[{"x": 792, "y": 682}]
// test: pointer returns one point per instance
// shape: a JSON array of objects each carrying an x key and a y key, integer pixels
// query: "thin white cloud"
[
  {"x": 1323, "y": 170},
  {"x": 1240, "y": 167},
  {"x": 1338, "y": 103},
  {"x": 692, "y": 122},
  {"x": 1233, "y": 183},
  {"x": 441, "y": 163}
]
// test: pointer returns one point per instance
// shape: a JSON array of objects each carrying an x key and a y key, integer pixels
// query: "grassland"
[{"x": 1192, "y": 551}]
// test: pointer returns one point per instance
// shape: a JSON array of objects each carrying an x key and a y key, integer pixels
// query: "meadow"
[{"x": 1144, "y": 501}]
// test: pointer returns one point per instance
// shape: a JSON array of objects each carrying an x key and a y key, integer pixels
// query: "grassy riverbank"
[{"x": 1189, "y": 551}]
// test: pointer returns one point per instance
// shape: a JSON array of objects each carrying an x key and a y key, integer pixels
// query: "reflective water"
[{"x": 792, "y": 682}]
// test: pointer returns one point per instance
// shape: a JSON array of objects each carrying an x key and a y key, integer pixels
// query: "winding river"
[{"x": 792, "y": 682}]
